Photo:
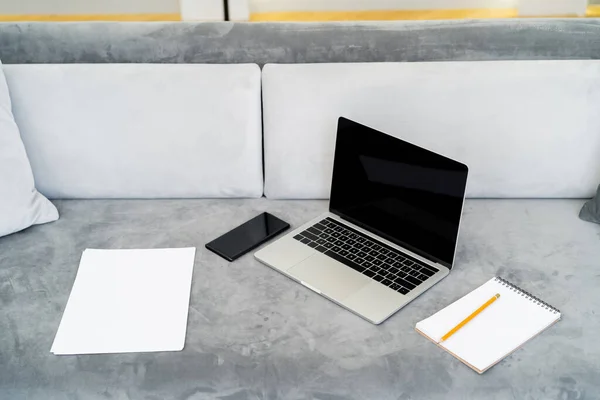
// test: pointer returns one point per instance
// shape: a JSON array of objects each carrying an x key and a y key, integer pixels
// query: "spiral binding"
[{"x": 528, "y": 295}]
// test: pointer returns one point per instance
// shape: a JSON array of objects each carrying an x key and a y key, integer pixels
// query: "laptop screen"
[{"x": 404, "y": 193}]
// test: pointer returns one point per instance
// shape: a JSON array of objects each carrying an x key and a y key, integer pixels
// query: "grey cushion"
[
  {"x": 591, "y": 210},
  {"x": 255, "y": 334}
]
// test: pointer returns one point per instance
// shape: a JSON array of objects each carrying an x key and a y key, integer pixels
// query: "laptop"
[{"x": 391, "y": 230}]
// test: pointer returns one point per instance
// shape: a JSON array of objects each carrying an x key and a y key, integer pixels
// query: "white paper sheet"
[{"x": 126, "y": 301}]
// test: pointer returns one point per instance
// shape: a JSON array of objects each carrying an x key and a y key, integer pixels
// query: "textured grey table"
[{"x": 254, "y": 334}]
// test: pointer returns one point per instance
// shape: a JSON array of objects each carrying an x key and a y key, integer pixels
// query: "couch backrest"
[
  {"x": 525, "y": 128},
  {"x": 346, "y": 41},
  {"x": 140, "y": 130}
]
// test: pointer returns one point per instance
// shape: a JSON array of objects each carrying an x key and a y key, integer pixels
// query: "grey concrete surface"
[{"x": 255, "y": 334}]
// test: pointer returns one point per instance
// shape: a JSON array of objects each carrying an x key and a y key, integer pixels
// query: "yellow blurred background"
[{"x": 288, "y": 10}]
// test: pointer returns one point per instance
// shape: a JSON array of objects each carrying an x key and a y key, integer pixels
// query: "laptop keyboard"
[{"x": 365, "y": 255}]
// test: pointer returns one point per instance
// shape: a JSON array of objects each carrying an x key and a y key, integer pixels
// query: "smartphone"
[{"x": 247, "y": 236}]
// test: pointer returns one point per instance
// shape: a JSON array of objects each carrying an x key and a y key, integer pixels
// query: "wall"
[
  {"x": 287, "y": 10},
  {"x": 90, "y": 9},
  {"x": 318, "y": 10}
]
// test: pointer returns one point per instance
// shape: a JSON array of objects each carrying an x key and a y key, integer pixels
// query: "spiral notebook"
[{"x": 500, "y": 329}]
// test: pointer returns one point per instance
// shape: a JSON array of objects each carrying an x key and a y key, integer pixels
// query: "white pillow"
[
  {"x": 526, "y": 129},
  {"x": 21, "y": 205},
  {"x": 140, "y": 130}
]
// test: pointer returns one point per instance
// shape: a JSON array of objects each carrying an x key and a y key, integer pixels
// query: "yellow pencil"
[{"x": 470, "y": 317}]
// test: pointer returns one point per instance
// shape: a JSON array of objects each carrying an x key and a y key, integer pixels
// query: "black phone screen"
[{"x": 247, "y": 236}]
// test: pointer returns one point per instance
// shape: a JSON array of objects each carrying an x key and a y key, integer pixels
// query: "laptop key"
[
  {"x": 413, "y": 280},
  {"x": 338, "y": 243},
  {"x": 403, "y": 290},
  {"x": 378, "y": 278},
  {"x": 369, "y": 258},
  {"x": 405, "y": 283},
  {"x": 375, "y": 268},
  {"x": 376, "y": 247},
  {"x": 322, "y": 249},
  {"x": 386, "y": 282},
  {"x": 344, "y": 252},
  {"x": 373, "y": 253},
  {"x": 360, "y": 239},
  {"x": 384, "y": 251},
  {"x": 422, "y": 277},
  {"x": 395, "y": 286},
  {"x": 351, "y": 242},
  {"x": 305, "y": 241},
  {"x": 390, "y": 274},
  {"x": 328, "y": 245},
  {"x": 351, "y": 257},
  {"x": 312, "y": 244},
  {"x": 321, "y": 241},
  {"x": 298, "y": 237},
  {"x": 346, "y": 262},
  {"x": 313, "y": 230},
  {"x": 337, "y": 228},
  {"x": 359, "y": 260},
  {"x": 381, "y": 257},
  {"x": 367, "y": 264},
  {"x": 362, "y": 254},
  {"x": 336, "y": 249},
  {"x": 353, "y": 250},
  {"x": 336, "y": 234},
  {"x": 309, "y": 235},
  {"x": 427, "y": 271},
  {"x": 369, "y": 273},
  {"x": 346, "y": 246},
  {"x": 377, "y": 262}
]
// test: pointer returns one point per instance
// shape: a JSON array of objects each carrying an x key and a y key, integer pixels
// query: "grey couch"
[{"x": 254, "y": 334}]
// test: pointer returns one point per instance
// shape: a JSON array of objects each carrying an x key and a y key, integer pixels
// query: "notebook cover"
[
  {"x": 520, "y": 291},
  {"x": 491, "y": 365}
]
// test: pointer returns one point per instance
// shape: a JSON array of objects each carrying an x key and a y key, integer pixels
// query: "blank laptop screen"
[{"x": 402, "y": 192}]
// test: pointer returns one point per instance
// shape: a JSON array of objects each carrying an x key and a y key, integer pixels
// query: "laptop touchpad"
[{"x": 332, "y": 278}]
